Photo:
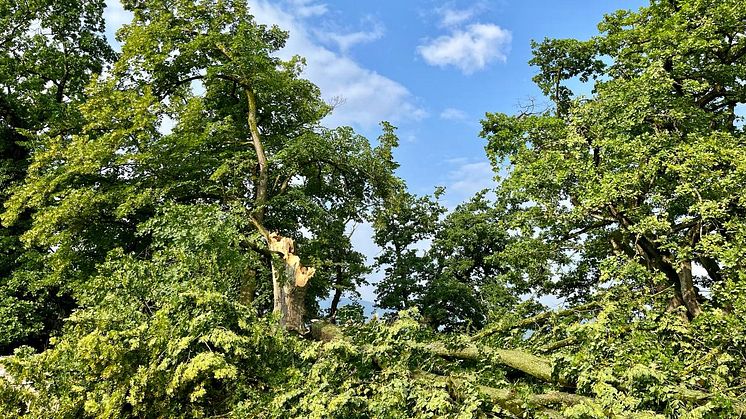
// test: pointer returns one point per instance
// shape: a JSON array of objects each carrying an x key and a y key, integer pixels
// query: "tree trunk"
[
  {"x": 337, "y": 296},
  {"x": 335, "y": 305},
  {"x": 663, "y": 261},
  {"x": 248, "y": 287},
  {"x": 688, "y": 293},
  {"x": 289, "y": 279},
  {"x": 289, "y": 298}
]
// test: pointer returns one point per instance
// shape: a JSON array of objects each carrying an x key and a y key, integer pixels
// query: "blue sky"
[{"x": 430, "y": 67}]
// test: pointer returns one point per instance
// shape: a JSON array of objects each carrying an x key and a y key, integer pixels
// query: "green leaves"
[
  {"x": 143, "y": 202},
  {"x": 635, "y": 169},
  {"x": 50, "y": 51}
]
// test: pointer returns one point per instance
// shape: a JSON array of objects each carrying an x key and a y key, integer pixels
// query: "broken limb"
[
  {"x": 539, "y": 318},
  {"x": 511, "y": 400}
]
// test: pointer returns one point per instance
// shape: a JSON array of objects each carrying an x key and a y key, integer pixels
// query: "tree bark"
[
  {"x": 289, "y": 298},
  {"x": 512, "y": 401},
  {"x": 523, "y": 361},
  {"x": 289, "y": 279},
  {"x": 686, "y": 285}
]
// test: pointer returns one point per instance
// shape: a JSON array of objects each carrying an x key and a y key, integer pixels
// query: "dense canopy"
[{"x": 174, "y": 214}]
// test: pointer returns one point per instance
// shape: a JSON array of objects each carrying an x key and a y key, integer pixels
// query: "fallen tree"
[
  {"x": 552, "y": 385},
  {"x": 202, "y": 354}
]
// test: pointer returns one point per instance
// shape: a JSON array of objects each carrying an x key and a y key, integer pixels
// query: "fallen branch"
[
  {"x": 534, "y": 320},
  {"x": 523, "y": 361},
  {"x": 511, "y": 400}
]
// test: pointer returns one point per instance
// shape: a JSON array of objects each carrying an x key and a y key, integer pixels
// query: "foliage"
[
  {"x": 91, "y": 191},
  {"x": 400, "y": 225},
  {"x": 50, "y": 50},
  {"x": 457, "y": 283},
  {"x": 147, "y": 199},
  {"x": 351, "y": 313},
  {"x": 649, "y": 168}
]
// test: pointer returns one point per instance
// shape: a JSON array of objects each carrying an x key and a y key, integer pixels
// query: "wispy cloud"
[
  {"x": 451, "y": 16},
  {"x": 469, "y": 49},
  {"x": 453, "y": 114},
  {"x": 466, "y": 179},
  {"x": 345, "y": 41},
  {"x": 308, "y": 8},
  {"x": 364, "y": 96}
]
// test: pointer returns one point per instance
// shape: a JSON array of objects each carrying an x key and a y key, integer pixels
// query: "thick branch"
[
  {"x": 712, "y": 267},
  {"x": 688, "y": 293},
  {"x": 586, "y": 229},
  {"x": 260, "y": 192},
  {"x": 534, "y": 320},
  {"x": 525, "y": 362},
  {"x": 509, "y": 399}
]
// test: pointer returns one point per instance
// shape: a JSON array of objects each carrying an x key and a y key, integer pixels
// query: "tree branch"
[
  {"x": 509, "y": 399},
  {"x": 534, "y": 320}
]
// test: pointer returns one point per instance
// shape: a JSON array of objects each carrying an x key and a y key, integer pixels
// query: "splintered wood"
[{"x": 285, "y": 246}]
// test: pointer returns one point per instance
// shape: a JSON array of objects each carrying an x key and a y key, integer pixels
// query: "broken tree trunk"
[{"x": 289, "y": 279}]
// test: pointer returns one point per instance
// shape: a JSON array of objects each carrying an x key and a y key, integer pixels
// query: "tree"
[
  {"x": 647, "y": 170},
  {"x": 444, "y": 263},
  {"x": 246, "y": 137},
  {"x": 156, "y": 232},
  {"x": 466, "y": 288},
  {"x": 50, "y": 50},
  {"x": 403, "y": 223}
]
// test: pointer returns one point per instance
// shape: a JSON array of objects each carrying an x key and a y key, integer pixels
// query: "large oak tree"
[{"x": 649, "y": 168}]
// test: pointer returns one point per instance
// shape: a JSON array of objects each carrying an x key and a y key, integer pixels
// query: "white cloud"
[
  {"x": 366, "y": 96},
  {"x": 452, "y": 17},
  {"x": 469, "y": 49},
  {"x": 307, "y": 8},
  {"x": 471, "y": 178},
  {"x": 467, "y": 179},
  {"x": 453, "y": 114},
  {"x": 345, "y": 41}
]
